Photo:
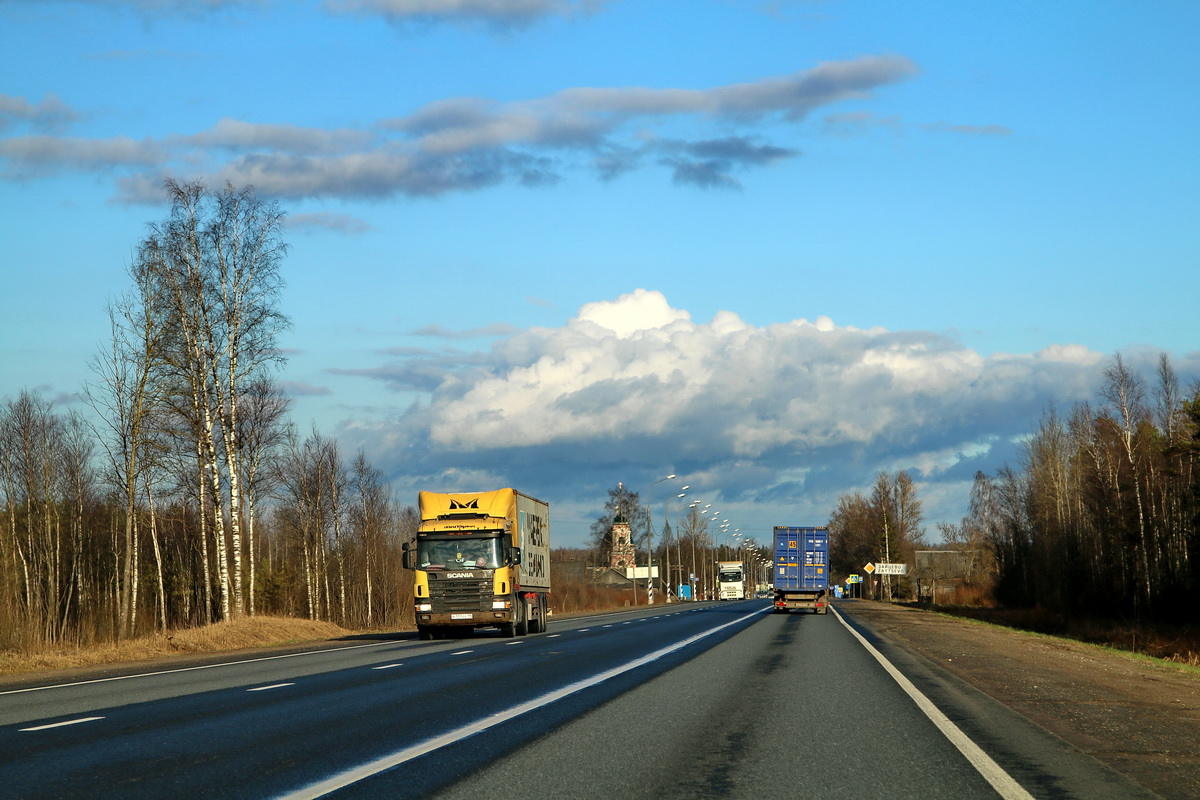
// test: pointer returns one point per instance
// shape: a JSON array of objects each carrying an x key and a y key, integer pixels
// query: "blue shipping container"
[{"x": 801, "y": 558}]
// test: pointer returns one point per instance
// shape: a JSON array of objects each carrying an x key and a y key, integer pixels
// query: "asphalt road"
[{"x": 705, "y": 700}]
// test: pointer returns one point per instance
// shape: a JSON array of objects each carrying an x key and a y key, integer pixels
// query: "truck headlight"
[
  {"x": 424, "y": 607},
  {"x": 499, "y": 604}
]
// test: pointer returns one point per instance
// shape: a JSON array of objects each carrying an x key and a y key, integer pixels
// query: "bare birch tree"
[{"x": 217, "y": 257}]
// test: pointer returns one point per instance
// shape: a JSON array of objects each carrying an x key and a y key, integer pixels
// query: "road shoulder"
[{"x": 1140, "y": 719}]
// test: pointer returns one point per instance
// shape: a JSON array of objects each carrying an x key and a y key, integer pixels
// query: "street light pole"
[
  {"x": 667, "y": 538},
  {"x": 650, "y": 541}
]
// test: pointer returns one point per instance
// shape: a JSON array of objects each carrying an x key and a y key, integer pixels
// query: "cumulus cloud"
[
  {"x": 635, "y": 367},
  {"x": 469, "y": 144},
  {"x": 760, "y": 413}
]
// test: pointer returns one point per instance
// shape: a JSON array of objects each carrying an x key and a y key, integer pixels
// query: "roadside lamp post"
[
  {"x": 679, "y": 545},
  {"x": 714, "y": 557},
  {"x": 650, "y": 541},
  {"x": 692, "y": 584},
  {"x": 667, "y": 538},
  {"x": 718, "y": 544},
  {"x": 710, "y": 554}
]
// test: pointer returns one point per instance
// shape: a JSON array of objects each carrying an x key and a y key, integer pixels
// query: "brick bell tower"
[{"x": 621, "y": 554}]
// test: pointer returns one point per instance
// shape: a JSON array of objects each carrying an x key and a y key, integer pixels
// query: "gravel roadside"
[{"x": 1141, "y": 718}]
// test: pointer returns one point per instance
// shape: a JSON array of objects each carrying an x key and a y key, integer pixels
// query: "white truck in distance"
[{"x": 731, "y": 580}]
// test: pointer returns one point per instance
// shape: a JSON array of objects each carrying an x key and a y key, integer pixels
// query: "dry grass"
[
  {"x": 222, "y": 636},
  {"x": 1171, "y": 643},
  {"x": 571, "y": 597}
]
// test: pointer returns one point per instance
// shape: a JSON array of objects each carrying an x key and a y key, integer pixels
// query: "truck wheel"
[
  {"x": 425, "y": 633},
  {"x": 522, "y": 624},
  {"x": 507, "y": 629}
]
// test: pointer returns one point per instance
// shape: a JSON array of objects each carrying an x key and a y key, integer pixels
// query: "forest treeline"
[
  {"x": 1099, "y": 518},
  {"x": 1102, "y": 516},
  {"x": 151, "y": 518}
]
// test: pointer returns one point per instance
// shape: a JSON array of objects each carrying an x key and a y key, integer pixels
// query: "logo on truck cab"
[{"x": 455, "y": 505}]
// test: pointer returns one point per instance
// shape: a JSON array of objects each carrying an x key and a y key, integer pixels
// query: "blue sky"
[{"x": 772, "y": 247}]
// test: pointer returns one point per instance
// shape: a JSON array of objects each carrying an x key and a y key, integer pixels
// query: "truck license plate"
[{"x": 461, "y": 616}]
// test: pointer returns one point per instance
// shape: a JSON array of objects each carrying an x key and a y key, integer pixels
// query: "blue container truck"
[{"x": 801, "y": 569}]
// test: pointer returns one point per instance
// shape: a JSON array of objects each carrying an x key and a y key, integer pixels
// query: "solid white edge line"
[
  {"x": 992, "y": 772},
  {"x": 60, "y": 724},
  {"x": 371, "y": 768}
]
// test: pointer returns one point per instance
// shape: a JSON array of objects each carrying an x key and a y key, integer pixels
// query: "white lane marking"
[
  {"x": 583, "y": 630},
  {"x": 553, "y": 635},
  {"x": 365, "y": 771},
  {"x": 192, "y": 669},
  {"x": 61, "y": 724},
  {"x": 272, "y": 686},
  {"x": 992, "y": 772},
  {"x": 462, "y": 652},
  {"x": 509, "y": 644},
  {"x": 388, "y": 666}
]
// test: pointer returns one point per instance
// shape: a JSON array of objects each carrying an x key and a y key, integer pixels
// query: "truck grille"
[{"x": 461, "y": 595}]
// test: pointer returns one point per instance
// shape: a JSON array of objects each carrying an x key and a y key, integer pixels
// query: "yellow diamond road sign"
[{"x": 869, "y": 568}]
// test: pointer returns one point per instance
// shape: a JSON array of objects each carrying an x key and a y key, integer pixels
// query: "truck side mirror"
[
  {"x": 514, "y": 555},
  {"x": 410, "y": 555}
]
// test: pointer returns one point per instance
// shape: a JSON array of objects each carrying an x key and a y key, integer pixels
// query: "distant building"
[{"x": 620, "y": 545}]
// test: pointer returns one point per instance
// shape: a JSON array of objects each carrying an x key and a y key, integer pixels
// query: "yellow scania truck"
[{"x": 481, "y": 559}]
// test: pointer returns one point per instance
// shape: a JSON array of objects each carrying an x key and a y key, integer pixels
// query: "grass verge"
[
  {"x": 248, "y": 632},
  {"x": 1176, "y": 644}
]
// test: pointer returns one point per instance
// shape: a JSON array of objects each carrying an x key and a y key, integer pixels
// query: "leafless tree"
[{"x": 217, "y": 259}]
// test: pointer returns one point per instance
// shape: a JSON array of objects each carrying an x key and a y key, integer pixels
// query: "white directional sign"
[{"x": 883, "y": 568}]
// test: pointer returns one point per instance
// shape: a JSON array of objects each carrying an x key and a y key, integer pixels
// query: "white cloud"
[
  {"x": 761, "y": 419},
  {"x": 636, "y": 368},
  {"x": 783, "y": 413},
  {"x": 631, "y": 313}
]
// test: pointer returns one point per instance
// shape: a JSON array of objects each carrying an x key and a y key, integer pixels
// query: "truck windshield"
[
  {"x": 730, "y": 576},
  {"x": 458, "y": 553}
]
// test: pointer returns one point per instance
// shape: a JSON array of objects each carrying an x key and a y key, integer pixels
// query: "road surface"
[{"x": 692, "y": 700}]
